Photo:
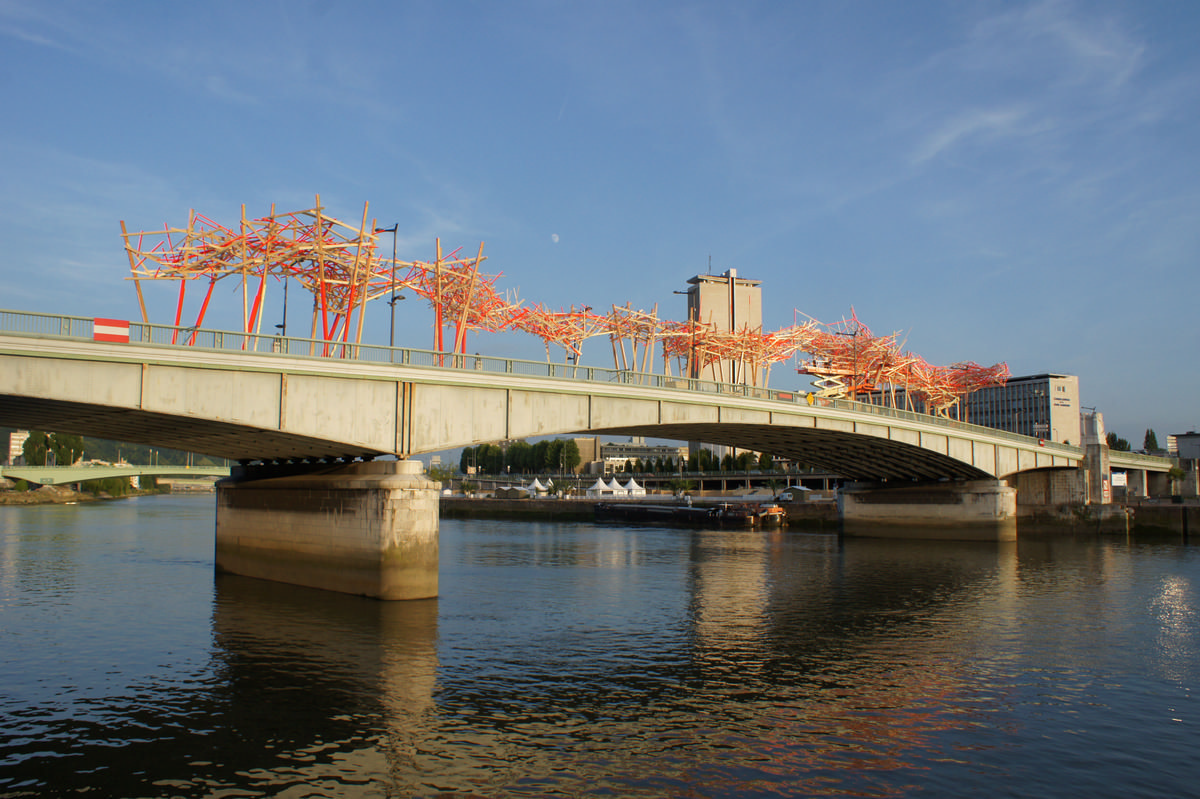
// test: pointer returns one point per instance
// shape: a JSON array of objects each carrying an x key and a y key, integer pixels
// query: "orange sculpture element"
[
  {"x": 848, "y": 360},
  {"x": 339, "y": 264},
  {"x": 333, "y": 260}
]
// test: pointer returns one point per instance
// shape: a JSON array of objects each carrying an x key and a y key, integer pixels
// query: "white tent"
[
  {"x": 615, "y": 487},
  {"x": 537, "y": 488},
  {"x": 599, "y": 488},
  {"x": 633, "y": 489}
]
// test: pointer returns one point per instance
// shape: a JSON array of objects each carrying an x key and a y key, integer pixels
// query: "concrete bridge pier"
[
  {"x": 366, "y": 528},
  {"x": 982, "y": 510}
]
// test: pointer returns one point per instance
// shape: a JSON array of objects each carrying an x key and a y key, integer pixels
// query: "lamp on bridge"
[
  {"x": 283, "y": 328},
  {"x": 394, "y": 230}
]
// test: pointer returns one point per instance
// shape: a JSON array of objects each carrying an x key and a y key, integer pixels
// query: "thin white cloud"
[
  {"x": 219, "y": 87},
  {"x": 978, "y": 124},
  {"x": 1085, "y": 46},
  {"x": 31, "y": 38},
  {"x": 1039, "y": 75}
]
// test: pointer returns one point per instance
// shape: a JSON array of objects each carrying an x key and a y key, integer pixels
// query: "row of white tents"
[{"x": 615, "y": 489}]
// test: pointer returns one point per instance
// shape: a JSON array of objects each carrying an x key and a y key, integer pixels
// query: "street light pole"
[
  {"x": 283, "y": 327},
  {"x": 394, "y": 230}
]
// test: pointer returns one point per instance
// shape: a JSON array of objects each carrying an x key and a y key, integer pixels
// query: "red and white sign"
[{"x": 110, "y": 330}]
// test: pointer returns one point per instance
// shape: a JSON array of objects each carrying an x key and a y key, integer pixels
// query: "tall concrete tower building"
[{"x": 724, "y": 302}]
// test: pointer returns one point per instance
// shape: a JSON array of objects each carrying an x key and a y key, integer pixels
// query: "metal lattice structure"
[{"x": 339, "y": 264}]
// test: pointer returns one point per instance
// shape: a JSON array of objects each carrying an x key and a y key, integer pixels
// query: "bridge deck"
[{"x": 245, "y": 397}]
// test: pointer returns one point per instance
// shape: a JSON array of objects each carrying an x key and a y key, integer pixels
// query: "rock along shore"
[{"x": 58, "y": 495}]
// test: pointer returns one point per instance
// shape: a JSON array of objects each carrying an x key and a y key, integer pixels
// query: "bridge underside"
[
  {"x": 220, "y": 439},
  {"x": 854, "y": 456}
]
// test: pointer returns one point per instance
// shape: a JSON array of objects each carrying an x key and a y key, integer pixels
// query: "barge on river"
[{"x": 723, "y": 514}]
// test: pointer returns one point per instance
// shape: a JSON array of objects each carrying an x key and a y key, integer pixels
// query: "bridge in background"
[
  {"x": 63, "y": 475},
  {"x": 305, "y": 418}
]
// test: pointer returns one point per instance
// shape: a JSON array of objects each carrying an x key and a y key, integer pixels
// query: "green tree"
[
  {"x": 570, "y": 455},
  {"x": 113, "y": 486},
  {"x": 36, "y": 448},
  {"x": 702, "y": 461},
  {"x": 540, "y": 462},
  {"x": 519, "y": 457},
  {"x": 766, "y": 462},
  {"x": 1150, "y": 443},
  {"x": 554, "y": 456},
  {"x": 52, "y": 449},
  {"x": 1117, "y": 444},
  {"x": 441, "y": 473},
  {"x": 680, "y": 486}
]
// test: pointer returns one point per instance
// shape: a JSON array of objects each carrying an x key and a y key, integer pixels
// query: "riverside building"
[{"x": 1042, "y": 406}]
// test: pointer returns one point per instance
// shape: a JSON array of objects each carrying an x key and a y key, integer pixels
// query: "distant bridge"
[
  {"x": 264, "y": 398},
  {"x": 61, "y": 475}
]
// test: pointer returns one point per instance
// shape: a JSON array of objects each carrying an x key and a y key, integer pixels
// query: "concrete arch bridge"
[{"x": 272, "y": 399}]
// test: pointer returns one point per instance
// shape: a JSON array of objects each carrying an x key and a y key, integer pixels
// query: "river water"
[{"x": 574, "y": 659}]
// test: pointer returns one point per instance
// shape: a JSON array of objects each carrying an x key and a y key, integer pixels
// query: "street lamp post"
[
  {"x": 283, "y": 327},
  {"x": 394, "y": 230}
]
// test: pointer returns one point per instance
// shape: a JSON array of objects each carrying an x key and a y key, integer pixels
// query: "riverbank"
[
  {"x": 60, "y": 495},
  {"x": 46, "y": 495}
]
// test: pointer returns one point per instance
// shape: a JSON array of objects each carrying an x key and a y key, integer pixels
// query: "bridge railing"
[
  {"x": 1134, "y": 459},
  {"x": 45, "y": 324},
  {"x": 53, "y": 325}
]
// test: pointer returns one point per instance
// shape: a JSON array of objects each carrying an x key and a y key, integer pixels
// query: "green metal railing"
[{"x": 25, "y": 323}]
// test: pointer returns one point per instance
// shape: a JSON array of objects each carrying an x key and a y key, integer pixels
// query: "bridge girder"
[{"x": 857, "y": 457}]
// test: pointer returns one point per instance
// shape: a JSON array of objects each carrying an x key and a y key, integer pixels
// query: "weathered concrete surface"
[
  {"x": 1167, "y": 517},
  {"x": 972, "y": 510},
  {"x": 1050, "y": 487},
  {"x": 362, "y": 528},
  {"x": 1073, "y": 519}
]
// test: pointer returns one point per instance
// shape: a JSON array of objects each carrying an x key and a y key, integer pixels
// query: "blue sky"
[{"x": 998, "y": 181}]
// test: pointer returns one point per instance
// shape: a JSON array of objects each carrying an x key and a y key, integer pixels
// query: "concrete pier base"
[
  {"x": 981, "y": 510},
  {"x": 361, "y": 528}
]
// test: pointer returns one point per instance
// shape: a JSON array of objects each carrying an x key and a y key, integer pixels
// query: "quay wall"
[
  {"x": 808, "y": 515},
  {"x": 823, "y": 516},
  {"x": 1162, "y": 517},
  {"x": 1167, "y": 518}
]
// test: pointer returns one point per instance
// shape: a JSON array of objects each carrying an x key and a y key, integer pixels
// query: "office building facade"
[{"x": 1041, "y": 406}]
